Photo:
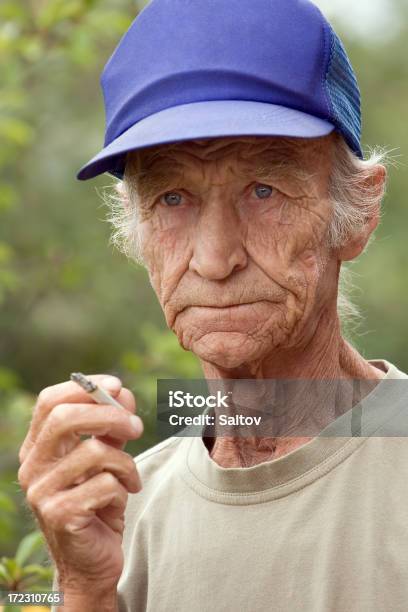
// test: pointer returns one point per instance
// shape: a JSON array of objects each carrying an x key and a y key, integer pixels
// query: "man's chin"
[{"x": 227, "y": 349}]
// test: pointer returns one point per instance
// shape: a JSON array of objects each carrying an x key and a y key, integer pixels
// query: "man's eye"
[
  {"x": 172, "y": 198},
  {"x": 263, "y": 192}
]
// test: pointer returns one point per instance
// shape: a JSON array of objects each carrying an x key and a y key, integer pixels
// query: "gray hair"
[{"x": 354, "y": 197}]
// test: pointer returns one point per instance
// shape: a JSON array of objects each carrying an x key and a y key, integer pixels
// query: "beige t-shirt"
[{"x": 322, "y": 529}]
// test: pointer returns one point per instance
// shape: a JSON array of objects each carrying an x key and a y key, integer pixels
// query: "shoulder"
[
  {"x": 158, "y": 457},
  {"x": 159, "y": 469}
]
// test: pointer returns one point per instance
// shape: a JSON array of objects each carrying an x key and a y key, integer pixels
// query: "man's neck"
[{"x": 326, "y": 356}]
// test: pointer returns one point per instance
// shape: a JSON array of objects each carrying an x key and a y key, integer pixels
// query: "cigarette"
[{"x": 97, "y": 393}]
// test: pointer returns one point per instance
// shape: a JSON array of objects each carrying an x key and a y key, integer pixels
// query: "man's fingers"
[
  {"x": 66, "y": 392},
  {"x": 73, "y": 510},
  {"x": 127, "y": 399},
  {"x": 68, "y": 422},
  {"x": 70, "y": 392},
  {"x": 108, "y": 516},
  {"x": 89, "y": 458}
]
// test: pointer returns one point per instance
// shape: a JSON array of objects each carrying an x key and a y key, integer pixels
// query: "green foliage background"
[{"x": 68, "y": 301}]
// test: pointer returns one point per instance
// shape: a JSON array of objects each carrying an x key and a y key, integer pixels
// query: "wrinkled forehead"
[{"x": 244, "y": 152}]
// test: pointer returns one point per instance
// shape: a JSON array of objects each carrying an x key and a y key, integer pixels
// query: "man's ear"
[{"x": 374, "y": 185}]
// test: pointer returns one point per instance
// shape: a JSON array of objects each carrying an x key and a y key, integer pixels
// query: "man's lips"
[
  {"x": 223, "y": 306},
  {"x": 251, "y": 292},
  {"x": 233, "y": 319},
  {"x": 237, "y": 313}
]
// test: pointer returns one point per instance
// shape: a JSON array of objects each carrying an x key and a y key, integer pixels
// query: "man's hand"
[{"x": 78, "y": 488}]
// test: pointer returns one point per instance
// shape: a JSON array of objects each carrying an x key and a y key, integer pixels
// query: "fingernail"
[{"x": 137, "y": 424}]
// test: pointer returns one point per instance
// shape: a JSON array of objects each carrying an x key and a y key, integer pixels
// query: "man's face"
[{"x": 234, "y": 237}]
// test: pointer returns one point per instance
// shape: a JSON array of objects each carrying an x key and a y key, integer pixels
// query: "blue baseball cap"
[{"x": 196, "y": 69}]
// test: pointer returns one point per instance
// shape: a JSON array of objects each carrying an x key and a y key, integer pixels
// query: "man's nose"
[{"x": 218, "y": 245}]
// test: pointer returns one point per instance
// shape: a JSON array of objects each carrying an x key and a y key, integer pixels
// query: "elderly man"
[{"x": 235, "y": 126}]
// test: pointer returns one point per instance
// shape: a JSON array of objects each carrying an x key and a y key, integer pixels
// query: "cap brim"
[{"x": 201, "y": 120}]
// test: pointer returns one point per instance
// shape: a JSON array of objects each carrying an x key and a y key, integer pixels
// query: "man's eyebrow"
[
  {"x": 149, "y": 181},
  {"x": 278, "y": 167},
  {"x": 282, "y": 172},
  {"x": 159, "y": 172}
]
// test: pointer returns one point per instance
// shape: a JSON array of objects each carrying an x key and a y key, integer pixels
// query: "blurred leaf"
[
  {"x": 12, "y": 98},
  {"x": 132, "y": 361},
  {"x": 8, "y": 379},
  {"x": 54, "y": 11},
  {"x": 6, "y": 251},
  {"x": 8, "y": 281},
  {"x": 8, "y": 198},
  {"x": 5, "y": 576},
  {"x": 32, "y": 543},
  {"x": 6, "y": 503},
  {"x": 71, "y": 274},
  {"x": 16, "y": 131},
  {"x": 82, "y": 49},
  {"x": 13, "y": 11},
  {"x": 32, "y": 48},
  {"x": 12, "y": 568},
  {"x": 41, "y": 571},
  {"x": 9, "y": 31},
  {"x": 118, "y": 21}
]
